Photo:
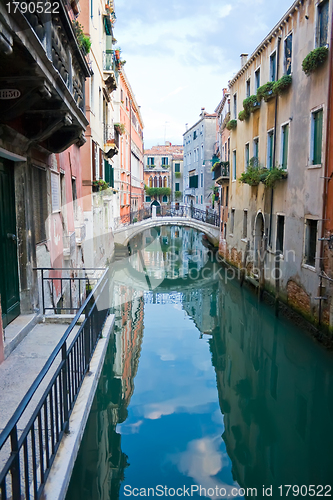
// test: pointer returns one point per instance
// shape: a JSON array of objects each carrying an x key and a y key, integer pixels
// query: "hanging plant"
[
  {"x": 265, "y": 91},
  {"x": 243, "y": 115},
  {"x": 231, "y": 125},
  {"x": 178, "y": 194},
  {"x": 83, "y": 40},
  {"x": 282, "y": 84},
  {"x": 177, "y": 175},
  {"x": 314, "y": 59},
  {"x": 250, "y": 103}
]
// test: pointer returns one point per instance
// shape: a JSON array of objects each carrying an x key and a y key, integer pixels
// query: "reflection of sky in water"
[{"x": 172, "y": 435}]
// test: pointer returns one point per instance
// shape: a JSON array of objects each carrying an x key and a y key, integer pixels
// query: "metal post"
[
  {"x": 15, "y": 469},
  {"x": 65, "y": 387}
]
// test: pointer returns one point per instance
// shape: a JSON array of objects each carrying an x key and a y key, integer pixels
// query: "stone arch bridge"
[{"x": 123, "y": 234}]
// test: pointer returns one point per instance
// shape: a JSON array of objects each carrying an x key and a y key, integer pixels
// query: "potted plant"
[
  {"x": 250, "y": 103},
  {"x": 120, "y": 128},
  {"x": 117, "y": 53},
  {"x": 83, "y": 40},
  {"x": 243, "y": 115},
  {"x": 99, "y": 185}
]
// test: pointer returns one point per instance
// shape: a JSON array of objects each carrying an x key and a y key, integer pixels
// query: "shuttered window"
[
  {"x": 39, "y": 203},
  {"x": 317, "y": 136},
  {"x": 285, "y": 139}
]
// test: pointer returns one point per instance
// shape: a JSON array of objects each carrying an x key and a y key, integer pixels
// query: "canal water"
[{"x": 203, "y": 391}]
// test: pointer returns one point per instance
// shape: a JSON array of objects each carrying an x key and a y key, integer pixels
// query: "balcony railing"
[
  {"x": 221, "y": 172},
  {"x": 108, "y": 60},
  {"x": 110, "y": 136}
]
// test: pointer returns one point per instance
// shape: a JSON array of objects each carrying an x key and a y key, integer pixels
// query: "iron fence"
[
  {"x": 174, "y": 210},
  {"x": 29, "y": 456},
  {"x": 71, "y": 291}
]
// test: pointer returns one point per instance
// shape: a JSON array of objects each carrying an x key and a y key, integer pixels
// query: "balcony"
[
  {"x": 221, "y": 172},
  {"x": 109, "y": 68},
  {"x": 45, "y": 69},
  {"x": 111, "y": 140}
]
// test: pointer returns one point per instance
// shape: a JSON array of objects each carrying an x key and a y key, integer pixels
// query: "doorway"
[{"x": 9, "y": 280}]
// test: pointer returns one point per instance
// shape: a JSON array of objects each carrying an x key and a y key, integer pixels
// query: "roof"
[
  {"x": 165, "y": 151},
  {"x": 202, "y": 117},
  {"x": 273, "y": 33}
]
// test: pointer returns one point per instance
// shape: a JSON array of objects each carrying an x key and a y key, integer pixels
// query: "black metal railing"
[
  {"x": 175, "y": 210},
  {"x": 221, "y": 171},
  {"x": 28, "y": 456},
  {"x": 65, "y": 293}
]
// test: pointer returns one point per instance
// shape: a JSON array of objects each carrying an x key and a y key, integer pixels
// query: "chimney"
[
  {"x": 202, "y": 112},
  {"x": 186, "y": 127},
  {"x": 243, "y": 59},
  {"x": 167, "y": 143}
]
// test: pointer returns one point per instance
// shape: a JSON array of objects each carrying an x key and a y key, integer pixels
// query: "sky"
[{"x": 180, "y": 54}]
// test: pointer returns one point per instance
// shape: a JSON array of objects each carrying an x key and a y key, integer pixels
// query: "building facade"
[
  {"x": 221, "y": 170},
  {"x": 199, "y": 141},
  {"x": 42, "y": 130},
  {"x": 278, "y": 156},
  {"x": 129, "y": 162}
]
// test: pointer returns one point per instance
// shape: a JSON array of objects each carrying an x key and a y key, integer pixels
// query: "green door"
[{"x": 9, "y": 284}]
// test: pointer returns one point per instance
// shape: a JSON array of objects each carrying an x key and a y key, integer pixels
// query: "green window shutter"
[
  {"x": 317, "y": 136},
  {"x": 177, "y": 186},
  {"x": 285, "y": 146},
  {"x": 177, "y": 167}
]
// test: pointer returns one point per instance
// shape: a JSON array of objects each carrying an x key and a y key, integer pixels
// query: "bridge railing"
[{"x": 175, "y": 210}]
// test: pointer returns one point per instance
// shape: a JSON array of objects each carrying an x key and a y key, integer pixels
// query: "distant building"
[
  {"x": 199, "y": 143},
  {"x": 221, "y": 169},
  {"x": 162, "y": 170}
]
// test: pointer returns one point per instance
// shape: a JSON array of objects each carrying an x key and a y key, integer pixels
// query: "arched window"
[
  {"x": 160, "y": 182},
  {"x": 155, "y": 181},
  {"x": 165, "y": 182},
  {"x": 150, "y": 182},
  {"x": 165, "y": 199}
]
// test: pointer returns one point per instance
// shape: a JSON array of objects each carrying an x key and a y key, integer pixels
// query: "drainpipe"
[
  {"x": 274, "y": 137},
  {"x": 327, "y": 178}
]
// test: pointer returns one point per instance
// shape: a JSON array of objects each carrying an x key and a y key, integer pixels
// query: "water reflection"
[{"x": 225, "y": 394}]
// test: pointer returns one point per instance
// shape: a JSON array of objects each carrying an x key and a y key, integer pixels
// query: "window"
[
  {"x": 248, "y": 87},
  {"x": 150, "y": 161},
  {"x": 244, "y": 224},
  {"x": 150, "y": 182},
  {"x": 285, "y": 139},
  {"x": 235, "y": 106},
  {"x": 165, "y": 199},
  {"x": 193, "y": 181},
  {"x": 232, "y": 221},
  {"x": 310, "y": 242},
  {"x": 272, "y": 67},
  {"x": 287, "y": 53},
  {"x": 234, "y": 167},
  {"x": 165, "y": 160},
  {"x": 202, "y": 148},
  {"x": 177, "y": 186},
  {"x": 121, "y": 94},
  {"x": 148, "y": 199},
  {"x": 270, "y": 137},
  {"x": 322, "y": 25},
  {"x": 256, "y": 147},
  {"x": 228, "y": 148},
  {"x": 201, "y": 200},
  {"x": 247, "y": 155},
  {"x": 222, "y": 196},
  {"x": 74, "y": 194},
  {"x": 316, "y": 137},
  {"x": 227, "y": 196},
  {"x": 257, "y": 79},
  {"x": 165, "y": 182},
  {"x": 194, "y": 135},
  {"x": 280, "y": 233},
  {"x": 177, "y": 167},
  {"x": 202, "y": 180}
]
